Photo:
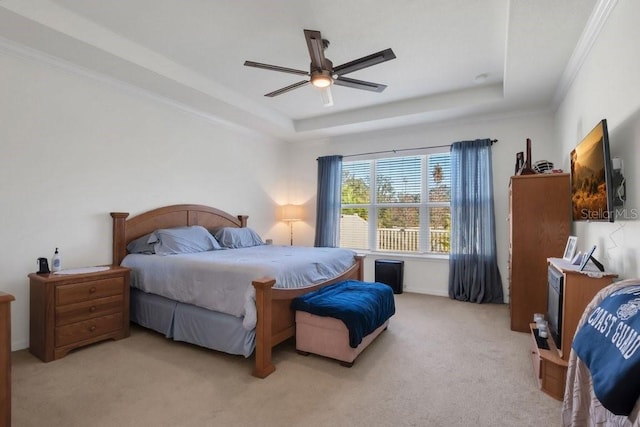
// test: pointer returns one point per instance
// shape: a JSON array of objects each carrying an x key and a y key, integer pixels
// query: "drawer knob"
[
  {"x": 92, "y": 328},
  {"x": 92, "y": 290},
  {"x": 92, "y": 308}
]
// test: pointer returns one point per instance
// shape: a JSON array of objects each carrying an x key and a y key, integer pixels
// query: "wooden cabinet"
[
  {"x": 539, "y": 226},
  {"x": 548, "y": 367},
  {"x": 579, "y": 288},
  {"x": 5, "y": 359},
  {"x": 72, "y": 310}
]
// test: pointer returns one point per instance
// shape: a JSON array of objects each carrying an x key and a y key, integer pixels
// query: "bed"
[
  {"x": 275, "y": 321},
  {"x": 614, "y": 310}
]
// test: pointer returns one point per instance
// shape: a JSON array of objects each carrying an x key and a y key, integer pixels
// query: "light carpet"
[{"x": 440, "y": 363}]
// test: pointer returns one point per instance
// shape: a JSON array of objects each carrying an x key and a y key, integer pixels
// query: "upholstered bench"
[{"x": 339, "y": 321}]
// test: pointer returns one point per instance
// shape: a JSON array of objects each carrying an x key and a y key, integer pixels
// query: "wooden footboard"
[{"x": 276, "y": 320}]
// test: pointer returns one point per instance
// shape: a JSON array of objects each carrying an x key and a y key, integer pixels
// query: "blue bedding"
[
  {"x": 362, "y": 306},
  {"x": 609, "y": 344}
]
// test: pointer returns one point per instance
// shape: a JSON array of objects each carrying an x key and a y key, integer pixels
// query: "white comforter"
[{"x": 221, "y": 280}]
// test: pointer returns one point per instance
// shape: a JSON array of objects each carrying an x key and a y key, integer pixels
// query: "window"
[{"x": 397, "y": 204}]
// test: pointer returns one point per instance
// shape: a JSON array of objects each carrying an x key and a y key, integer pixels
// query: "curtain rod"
[{"x": 493, "y": 141}]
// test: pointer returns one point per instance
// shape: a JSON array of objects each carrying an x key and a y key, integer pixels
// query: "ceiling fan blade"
[
  {"x": 275, "y": 68},
  {"x": 316, "y": 49},
  {"x": 359, "y": 84},
  {"x": 287, "y": 89},
  {"x": 364, "y": 62}
]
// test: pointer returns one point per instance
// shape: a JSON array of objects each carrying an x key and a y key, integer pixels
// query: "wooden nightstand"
[{"x": 68, "y": 311}]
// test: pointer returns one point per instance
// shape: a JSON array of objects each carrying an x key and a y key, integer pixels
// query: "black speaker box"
[{"x": 390, "y": 273}]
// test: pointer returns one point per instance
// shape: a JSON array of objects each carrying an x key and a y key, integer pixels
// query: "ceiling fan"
[{"x": 322, "y": 74}]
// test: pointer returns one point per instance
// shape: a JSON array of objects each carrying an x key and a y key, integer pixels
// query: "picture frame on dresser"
[
  {"x": 570, "y": 249},
  {"x": 589, "y": 257}
]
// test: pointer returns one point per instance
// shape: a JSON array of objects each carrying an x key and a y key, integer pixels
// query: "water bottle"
[{"x": 56, "y": 262}]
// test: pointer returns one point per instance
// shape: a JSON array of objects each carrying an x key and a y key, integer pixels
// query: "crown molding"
[
  {"x": 11, "y": 48},
  {"x": 592, "y": 30}
]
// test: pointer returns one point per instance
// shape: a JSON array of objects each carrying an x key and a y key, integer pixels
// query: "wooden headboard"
[{"x": 126, "y": 230}]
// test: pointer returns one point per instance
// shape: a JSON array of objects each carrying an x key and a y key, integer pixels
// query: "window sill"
[{"x": 402, "y": 255}]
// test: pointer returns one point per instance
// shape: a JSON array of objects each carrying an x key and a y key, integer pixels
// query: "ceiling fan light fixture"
[
  {"x": 327, "y": 97},
  {"x": 321, "y": 79}
]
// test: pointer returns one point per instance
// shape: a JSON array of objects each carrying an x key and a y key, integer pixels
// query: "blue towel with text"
[
  {"x": 362, "y": 306},
  {"x": 609, "y": 344}
]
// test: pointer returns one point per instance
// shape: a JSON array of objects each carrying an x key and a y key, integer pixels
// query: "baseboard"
[
  {"x": 19, "y": 345},
  {"x": 426, "y": 292}
]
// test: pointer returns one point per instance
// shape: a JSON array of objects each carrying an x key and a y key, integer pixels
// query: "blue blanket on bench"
[{"x": 362, "y": 306}]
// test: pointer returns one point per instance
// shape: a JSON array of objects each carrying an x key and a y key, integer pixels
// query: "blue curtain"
[
  {"x": 473, "y": 265},
  {"x": 328, "y": 203}
]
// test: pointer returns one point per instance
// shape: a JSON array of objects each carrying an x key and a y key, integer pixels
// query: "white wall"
[
  {"x": 607, "y": 86},
  {"x": 74, "y": 148},
  {"x": 431, "y": 275}
]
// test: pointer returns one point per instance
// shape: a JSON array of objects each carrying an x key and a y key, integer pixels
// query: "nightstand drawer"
[
  {"x": 88, "y": 290},
  {"x": 72, "y": 313},
  {"x": 88, "y": 329}
]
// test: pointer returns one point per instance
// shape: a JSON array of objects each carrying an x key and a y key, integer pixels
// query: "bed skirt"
[{"x": 191, "y": 324}]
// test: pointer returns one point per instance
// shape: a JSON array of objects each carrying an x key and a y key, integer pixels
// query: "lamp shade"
[{"x": 291, "y": 213}]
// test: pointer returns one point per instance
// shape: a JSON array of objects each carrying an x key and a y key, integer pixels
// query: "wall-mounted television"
[{"x": 592, "y": 191}]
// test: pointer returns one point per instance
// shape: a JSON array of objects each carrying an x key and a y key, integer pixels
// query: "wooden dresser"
[
  {"x": 72, "y": 310},
  {"x": 5, "y": 359},
  {"x": 539, "y": 226}
]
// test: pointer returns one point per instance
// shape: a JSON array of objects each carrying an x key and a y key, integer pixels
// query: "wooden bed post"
[
  {"x": 243, "y": 220},
  {"x": 263, "y": 365},
  {"x": 360, "y": 262},
  {"x": 119, "y": 244}
]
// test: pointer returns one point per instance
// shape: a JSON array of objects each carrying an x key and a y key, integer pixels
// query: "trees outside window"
[{"x": 397, "y": 204}]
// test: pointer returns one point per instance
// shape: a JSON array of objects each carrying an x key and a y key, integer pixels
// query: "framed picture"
[
  {"x": 570, "y": 249},
  {"x": 586, "y": 257}
]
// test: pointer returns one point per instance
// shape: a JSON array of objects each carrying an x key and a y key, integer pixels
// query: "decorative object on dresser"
[
  {"x": 588, "y": 256},
  {"x": 5, "y": 359},
  {"x": 570, "y": 249},
  {"x": 519, "y": 162},
  {"x": 570, "y": 291},
  {"x": 543, "y": 166},
  {"x": 525, "y": 168},
  {"x": 68, "y": 311},
  {"x": 539, "y": 226}
]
